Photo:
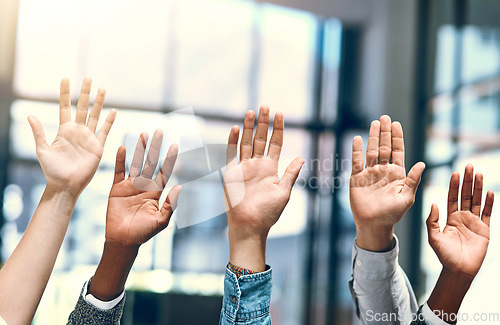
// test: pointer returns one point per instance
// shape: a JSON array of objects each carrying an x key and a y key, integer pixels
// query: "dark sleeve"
[{"x": 86, "y": 313}]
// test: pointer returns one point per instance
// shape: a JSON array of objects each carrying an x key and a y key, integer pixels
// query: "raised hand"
[
  {"x": 255, "y": 196},
  {"x": 381, "y": 192},
  {"x": 134, "y": 214},
  {"x": 461, "y": 246},
  {"x": 70, "y": 162}
]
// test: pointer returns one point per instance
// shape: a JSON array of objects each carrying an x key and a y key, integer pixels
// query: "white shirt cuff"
[
  {"x": 104, "y": 305},
  {"x": 374, "y": 266},
  {"x": 430, "y": 317}
]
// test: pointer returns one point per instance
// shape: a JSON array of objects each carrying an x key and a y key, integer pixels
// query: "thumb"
[
  {"x": 170, "y": 203},
  {"x": 432, "y": 223},
  {"x": 166, "y": 210},
  {"x": 413, "y": 179},
  {"x": 291, "y": 174},
  {"x": 37, "y": 129}
]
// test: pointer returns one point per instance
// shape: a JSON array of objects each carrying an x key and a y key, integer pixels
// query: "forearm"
[
  {"x": 26, "y": 273},
  {"x": 112, "y": 272},
  {"x": 448, "y": 293}
]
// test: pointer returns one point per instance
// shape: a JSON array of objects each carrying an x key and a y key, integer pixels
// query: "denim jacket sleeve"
[{"x": 246, "y": 299}]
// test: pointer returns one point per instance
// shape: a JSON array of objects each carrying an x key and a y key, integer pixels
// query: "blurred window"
[
  {"x": 463, "y": 124},
  {"x": 220, "y": 56}
]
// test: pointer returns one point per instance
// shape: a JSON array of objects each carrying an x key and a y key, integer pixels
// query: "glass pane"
[
  {"x": 286, "y": 69},
  {"x": 81, "y": 38},
  {"x": 445, "y": 58},
  {"x": 125, "y": 48},
  {"x": 440, "y": 147},
  {"x": 213, "y": 54},
  {"x": 331, "y": 64},
  {"x": 48, "y": 46},
  {"x": 481, "y": 53},
  {"x": 479, "y": 124}
]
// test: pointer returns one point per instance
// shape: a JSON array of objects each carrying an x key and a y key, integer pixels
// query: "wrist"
[
  {"x": 62, "y": 192},
  {"x": 120, "y": 250},
  {"x": 375, "y": 238},
  {"x": 248, "y": 252},
  {"x": 449, "y": 292},
  {"x": 113, "y": 269},
  {"x": 462, "y": 280}
]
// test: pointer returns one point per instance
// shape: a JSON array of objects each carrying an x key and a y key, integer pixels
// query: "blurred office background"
[{"x": 331, "y": 66}]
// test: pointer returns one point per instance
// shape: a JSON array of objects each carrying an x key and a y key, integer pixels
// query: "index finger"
[
  {"x": 232, "y": 150},
  {"x": 477, "y": 195},
  {"x": 357, "y": 155},
  {"x": 276, "y": 142},
  {"x": 167, "y": 167},
  {"x": 96, "y": 110},
  {"x": 153, "y": 155},
  {"x": 398, "y": 145},
  {"x": 137, "y": 159}
]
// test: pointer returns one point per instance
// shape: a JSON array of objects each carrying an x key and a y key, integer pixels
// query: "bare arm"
[{"x": 69, "y": 163}]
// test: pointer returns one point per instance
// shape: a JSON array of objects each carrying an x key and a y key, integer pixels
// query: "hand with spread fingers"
[
  {"x": 255, "y": 196},
  {"x": 134, "y": 213},
  {"x": 381, "y": 192},
  {"x": 461, "y": 246},
  {"x": 72, "y": 159},
  {"x": 69, "y": 163}
]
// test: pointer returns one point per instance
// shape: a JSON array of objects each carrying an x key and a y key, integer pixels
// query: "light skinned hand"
[
  {"x": 461, "y": 246},
  {"x": 134, "y": 215},
  {"x": 381, "y": 192},
  {"x": 70, "y": 162},
  {"x": 255, "y": 196}
]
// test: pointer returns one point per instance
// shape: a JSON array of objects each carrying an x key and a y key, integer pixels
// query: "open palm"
[
  {"x": 381, "y": 193},
  {"x": 462, "y": 245},
  {"x": 72, "y": 159},
  {"x": 134, "y": 215},
  {"x": 255, "y": 197}
]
